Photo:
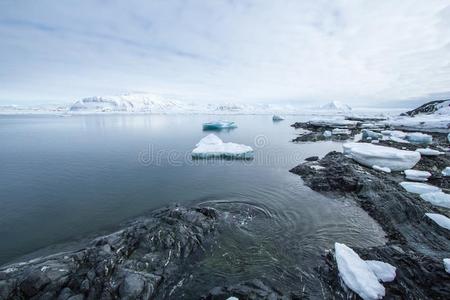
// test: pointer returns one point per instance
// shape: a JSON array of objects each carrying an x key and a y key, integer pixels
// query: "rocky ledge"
[
  {"x": 416, "y": 245},
  {"x": 141, "y": 261}
]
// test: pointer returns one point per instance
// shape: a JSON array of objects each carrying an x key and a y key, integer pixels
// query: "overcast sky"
[{"x": 244, "y": 51}]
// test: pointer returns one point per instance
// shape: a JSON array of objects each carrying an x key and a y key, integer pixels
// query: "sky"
[{"x": 359, "y": 52}]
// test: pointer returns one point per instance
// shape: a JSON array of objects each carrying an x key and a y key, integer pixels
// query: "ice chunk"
[
  {"x": 446, "y": 171},
  {"x": 327, "y": 133},
  {"x": 419, "y": 188},
  {"x": 277, "y": 118},
  {"x": 356, "y": 273},
  {"x": 385, "y": 272},
  {"x": 382, "y": 169},
  {"x": 416, "y": 175},
  {"x": 447, "y": 265},
  {"x": 441, "y": 220},
  {"x": 398, "y": 140},
  {"x": 437, "y": 198},
  {"x": 369, "y": 155},
  {"x": 341, "y": 131},
  {"x": 371, "y": 134},
  {"x": 428, "y": 152},
  {"x": 212, "y": 146},
  {"x": 394, "y": 133},
  {"x": 419, "y": 138},
  {"x": 232, "y": 298},
  {"x": 218, "y": 125}
]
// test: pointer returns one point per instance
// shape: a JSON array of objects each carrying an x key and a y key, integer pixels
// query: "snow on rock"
[
  {"x": 337, "y": 106},
  {"x": 447, "y": 265},
  {"x": 392, "y": 158},
  {"x": 212, "y": 146},
  {"x": 385, "y": 272},
  {"x": 419, "y": 188},
  {"x": 416, "y": 175},
  {"x": 356, "y": 273},
  {"x": 419, "y": 138},
  {"x": 446, "y": 171},
  {"x": 382, "y": 169},
  {"x": 277, "y": 118},
  {"x": 218, "y": 125},
  {"x": 342, "y": 131},
  {"x": 428, "y": 152},
  {"x": 439, "y": 219},
  {"x": 437, "y": 198}
]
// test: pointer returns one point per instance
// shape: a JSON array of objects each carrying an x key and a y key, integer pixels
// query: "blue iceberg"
[
  {"x": 219, "y": 125},
  {"x": 277, "y": 118},
  {"x": 372, "y": 135},
  {"x": 419, "y": 138}
]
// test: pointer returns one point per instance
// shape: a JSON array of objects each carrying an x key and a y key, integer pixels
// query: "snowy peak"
[
  {"x": 439, "y": 107},
  {"x": 337, "y": 106}
]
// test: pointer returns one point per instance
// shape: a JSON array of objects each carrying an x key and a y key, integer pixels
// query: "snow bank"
[
  {"x": 212, "y": 146},
  {"x": 428, "y": 152},
  {"x": 218, "y": 125},
  {"x": 437, "y": 198},
  {"x": 392, "y": 158},
  {"x": 441, "y": 220},
  {"x": 356, "y": 273},
  {"x": 419, "y": 188},
  {"x": 416, "y": 175}
]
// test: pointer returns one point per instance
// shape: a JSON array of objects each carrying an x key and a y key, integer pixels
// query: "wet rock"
[
  {"x": 140, "y": 261},
  {"x": 415, "y": 245}
]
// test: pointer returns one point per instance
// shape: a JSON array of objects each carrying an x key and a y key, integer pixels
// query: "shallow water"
[{"x": 65, "y": 178}]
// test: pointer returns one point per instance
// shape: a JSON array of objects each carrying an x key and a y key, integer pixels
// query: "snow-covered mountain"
[
  {"x": 437, "y": 107},
  {"x": 336, "y": 106}
]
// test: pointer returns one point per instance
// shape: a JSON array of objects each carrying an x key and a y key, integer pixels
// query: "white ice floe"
[
  {"x": 446, "y": 171},
  {"x": 439, "y": 219},
  {"x": 370, "y": 155},
  {"x": 437, "y": 198},
  {"x": 419, "y": 188},
  {"x": 337, "y": 131},
  {"x": 447, "y": 265},
  {"x": 218, "y": 125},
  {"x": 356, "y": 273},
  {"x": 327, "y": 133},
  {"x": 212, "y": 146},
  {"x": 277, "y": 118},
  {"x": 428, "y": 152},
  {"x": 416, "y": 175},
  {"x": 419, "y": 138},
  {"x": 382, "y": 169},
  {"x": 385, "y": 272}
]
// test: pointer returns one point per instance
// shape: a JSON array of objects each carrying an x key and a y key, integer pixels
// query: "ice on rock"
[
  {"x": 218, "y": 125},
  {"x": 356, "y": 274},
  {"x": 437, "y": 198},
  {"x": 327, "y": 133},
  {"x": 428, "y": 152},
  {"x": 366, "y": 134},
  {"x": 385, "y": 272},
  {"x": 382, "y": 169},
  {"x": 277, "y": 118},
  {"x": 419, "y": 188},
  {"x": 419, "y": 138},
  {"x": 416, "y": 175},
  {"x": 447, "y": 265},
  {"x": 337, "y": 131},
  {"x": 392, "y": 158},
  {"x": 439, "y": 219},
  {"x": 446, "y": 171},
  {"x": 212, "y": 146}
]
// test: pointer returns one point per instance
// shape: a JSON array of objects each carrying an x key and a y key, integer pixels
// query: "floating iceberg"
[
  {"x": 366, "y": 134},
  {"x": 277, "y": 118},
  {"x": 447, "y": 265},
  {"x": 218, "y": 125},
  {"x": 428, "y": 152},
  {"x": 416, "y": 175},
  {"x": 419, "y": 188},
  {"x": 439, "y": 219},
  {"x": 357, "y": 274},
  {"x": 370, "y": 155},
  {"x": 446, "y": 171},
  {"x": 419, "y": 138},
  {"x": 212, "y": 146},
  {"x": 382, "y": 169},
  {"x": 336, "y": 131},
  {"x": 437, "y": 198},
  {"x": 385, "y": 272}
]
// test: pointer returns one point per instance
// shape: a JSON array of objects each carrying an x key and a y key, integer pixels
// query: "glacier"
[{"x": 212, "y": 146}]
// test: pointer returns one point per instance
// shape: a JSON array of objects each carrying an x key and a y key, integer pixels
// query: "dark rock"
[
  {"x": 312, "y": 158},
  {"x": 427, "y": 108}
]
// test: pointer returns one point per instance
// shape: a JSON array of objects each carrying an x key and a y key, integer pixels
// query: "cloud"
[{"x": 354, "y": 51}]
